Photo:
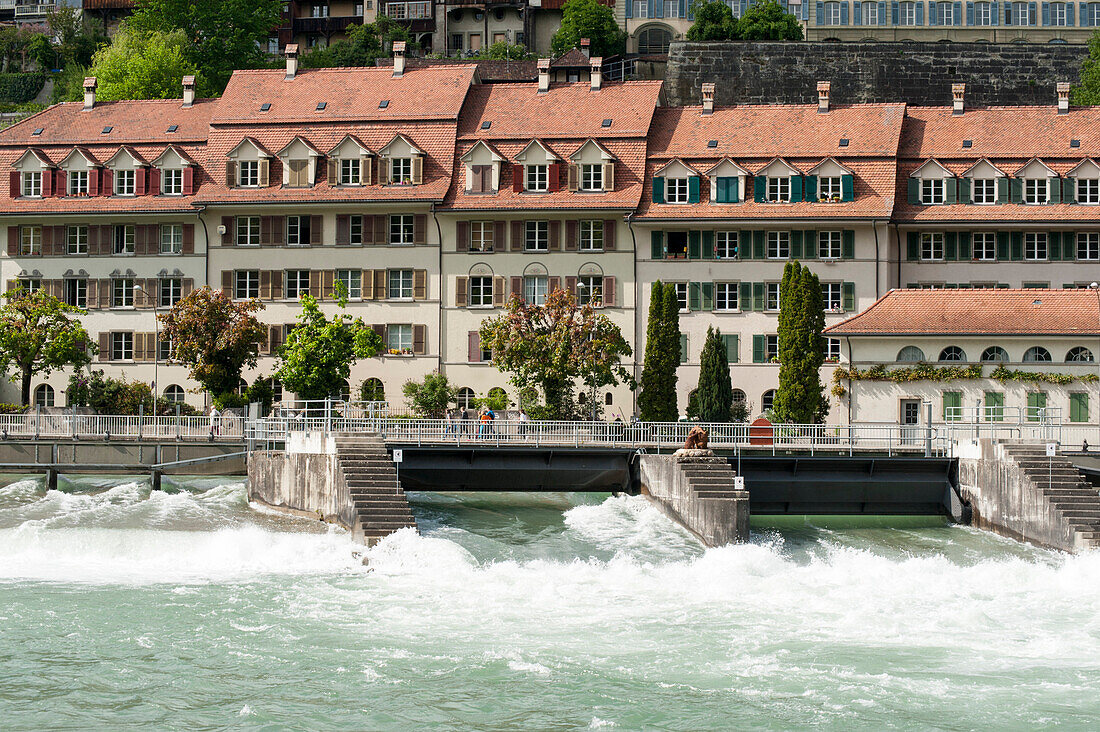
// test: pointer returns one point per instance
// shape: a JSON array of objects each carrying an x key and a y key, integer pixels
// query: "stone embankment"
[{"x": 696, "y": 489}]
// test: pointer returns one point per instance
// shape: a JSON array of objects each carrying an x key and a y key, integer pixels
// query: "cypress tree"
[
  {"x": 800, "y": 398},
  {"x": 714, "y": 395},
  {"x": 671, "y": 326},
  {"x": 657, "y": 401}
]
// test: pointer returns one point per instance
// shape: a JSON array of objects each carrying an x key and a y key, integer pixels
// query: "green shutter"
[
  {"x": 1069, "y": 190},
  {"x": 809, "y": 245},
  {"x": 726, "y": 190},
  {"x": 1016, "y": 253},
  {"x": 1036, "y": 400},
  {"x": 694, "y": 296},
  {"x": 950, "y": 246},
  {"x": 1069, "y": 246},
  {"x": 848, "y": 244},
  {"x": 1016, "y": 190},
  {"x": 1078, "y": 407},
  {"x": 1002, "y": 246},
  {"x": 744, "y": 245},
  {"x": 994, "y": 406},
  {"x": 809, "y": 188},
  {"x": 657, "y": 244},
  {"x": 964, "y": 246},
  {"x": 912, "y": 251},
  {"x": 951, "y": 190},
  {"x": 759, "y": 188},
  {"x": 658, "y": 190},
  {"x": 914, "y": 191},
  {"x": 707, "y": 290},
  {"x": 683, "y": 348},
  {"x": 1054, "y": 246},
  {"x": 732, "y": 350},
  {"x": 1002, "y": 190},
  {"x": 693, "y": 189},
  {"x": 758, "y": 349},
  {"x": 693, "y": 244},
  {"x": 848, "y": 296},
  {"x": 847, "y": 188},
  {"x": 796, "y": 245},
  {"x": 796, "y": 188},
  {"x": 708, "y": 245},
  {"x": 952, "y": 402},
  {"x": 1054, "y": 187},
  {"x": 744, "y": 292},
  {"x": 758, "y": 292},
  {"x": 758, "y": 245},
  {"x": 964, "y": 190}
]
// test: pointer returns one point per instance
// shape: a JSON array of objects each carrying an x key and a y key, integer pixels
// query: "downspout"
[
  {"x": 439, "y": 339},
  {"x": 897, "y": 236},
  {"x": 206, "y": 267},
  {"x": 851, "y": 381},
  {"x": 637, "y": 305},
  {"x": 874, "y": 228}
]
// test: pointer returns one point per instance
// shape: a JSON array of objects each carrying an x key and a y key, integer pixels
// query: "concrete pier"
[{"x": 697, "y": 491}]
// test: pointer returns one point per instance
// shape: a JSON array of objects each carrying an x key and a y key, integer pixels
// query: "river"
[{"x": 191, "y": 609}]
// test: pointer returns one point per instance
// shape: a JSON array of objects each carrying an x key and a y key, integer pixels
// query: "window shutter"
[
  {"x": 683, "y": 348},
  {"x": 366, "y": 280},
  {"x": 500, "y": 231},
  {"x": 1002, "y": 190},
  {"x": 820, "y": 12},
  {"x": 420, "y": 229},
  {"x": 1069, "y": 246},
  {"x": 707, "y": 291},
  {"x": 553, "y": 284},
  {"x": 609, "y": 176},
  {"x": 796, "y": 188},
  {"x": 328, "y": 284},
  {"x": 420, "y": 284},
  {"x": 188, "y": 180},
  {"x": 956, "y": 16},
  {"x": 708, "y": 245},
  {"x": 758, "y": 245},
  {"x": 380, "y": 285},
  {"x": 964, "y": 190},
  {"x": 809, "y": 188},
  {"x": 912, "y": 252},
  {"x": 266, "y": 276},
  {"x": 229, "y": 235},
  {"x": 1016, "y": 190},
  {"x": 517, "y": 236},
  {"x": 760, "y": 188},
  {"x": 1002, "y": 246},
  {"x": 368, "y": 230},
  {"x": 343, "y": 229},
  {"x": 844, "y": 13},
  {"x": 933, "y": 18},
  {"x": 758, "y": 291},
  {"x": 381, "y": 230},
  {"x": 265, "y": 172},
  {"x": 693, "y": 189},
  {"x": 462, "y": 236},
  {"x": 333, "y": 176},
  {"x": 188, "y": 238},
  {"x": 609, "y": 243},
  {"x": 693, "y": 244},
  {"x": 656, "y": 243},
  {"x": 554, "y": 184},
  {"x": 573, "y": 175},
  {"x": 420, "y": 338},
  {"x": 278, "y": 230},
  {"x": 744, "y": 245},
  {"x": 571, "y": 285},
  {"x": 1054, "y": 185},
  {"x": 231, "y": 174},
  {"x": 554, "y": 244},
  {"x": 796, "y": 245},
  {"x": 758, "y": 348},
  {"x": 227, "y": 282},
  {"x": 139, "y": 183},
  {"x": 810, "y": 245},
  {"x": 460, "y": 292},
  {"x": 894, "y": 12},
  {"x": 517, "y": 178},
  {"x": 517, "y": 287},
  {"x": 570, "y": 236},
  {"x": 950, "y": 246},
  {"x": 417, "y": 170},
  {"x": 951, "y": 190},
  {"x": 695, "y": 296},
  {"x": 1069, "y": 14},
  {"x": 920, "y": 13},
  {"x": 848, "y": 296},
  {"x": 964, "y": 246},
  {"x": 970, "y": 13},
  {"x": 384, "y": 169},
  {"x": 315, "y": 283},
  {"x": 53, "y": 185},
  {"x": 658, "y": 190},
  {"x": 914, "y": 191},
  {"x": 609, "y": 292},
  {"x": 732, "y": 350},
  {"x": 1054, "y": 246},
  {"x": 15, "y": 188},
  {"x": 744, "y": 296},
  {"x": 315, "y": 228},
  {"x": 473, "y": 347},
  {"x": 1017, "y": 246},
  {"x": 1069, "y": 190},
  {"x": 104, "y": 346}
]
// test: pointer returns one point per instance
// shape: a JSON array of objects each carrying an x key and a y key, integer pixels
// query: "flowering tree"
[
  {"x": 215, "y": 336},
  {"x": 39, "y": 336},
  {"x": 551, "y": 346}
]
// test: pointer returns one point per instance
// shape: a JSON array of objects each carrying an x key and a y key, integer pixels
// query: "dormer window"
[
  {"x": 983, "y": 190},
  {"x": 1036, "y": 184},
  {"x": 591, "y": 177},
  {"x": 349, "y": 172},
  {"x": 248, "y": 174},
  {"x": 1088, "y": 190},
  {"x": 250, "y": 166},
  {"x": 124, "y": 182},
  {"x": 172, "y": 181},
  {"x": 32, "y": 183},
  {"x": 537, "y": 178},
  {"x": 299, "y": 174},
  {"x": 829, "y": 188},
  {"x": 1036, "y": 190},
  {"x": 779, "y": 189},
  {"x": 401, "y": 171},
  {"x": 78, "y": 182},
  {"x": 676, "y": 190},
  {"x": 591, "y": 169},
  {"x": 933, "y": 191},
  {"x": 481, "y": 179}
]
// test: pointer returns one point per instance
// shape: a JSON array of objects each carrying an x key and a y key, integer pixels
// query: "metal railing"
[{"x": 69, "y": 425}]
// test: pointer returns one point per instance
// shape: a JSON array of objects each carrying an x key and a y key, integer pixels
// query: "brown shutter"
[
  {"x": 420, "y": 229},
  {"x": 574, "y": 175},
  {"x": 473, "y": 347},
  {"x": 13, "y": 241},
  {"x": 609, "y": 291},
  {"x": 93, "y": 239},
  {"x": 227, "y": 282},
  {"x": 570, "y": 236},
  {"x": 553, "y": 283},
  {"x": 93, "y": 294},
  {"x": 517, "y": 236},
  {"x": 420, "y": 284},
  {"x": 364, "y": 171},
  {"x": 15, "y": 189},
  {"x": 384, "y": 172},
  {"x": 366, "y": 280},
  {"x": 381, "y": 291},
  {"x": 315, "y": 283},
  {"x": 571, "y": 285},
  {"x": 417, "y": 170},
  {"x": 278, "y": 230},
  {"x": 420, "y": 337},
  {"x": 462, "y": 236},
  {"x": 106, "y": 293},
  {"x": 609, "y": 176},
  {"x": 333, "y": 180},
  {"x": 460, "y": 291},
  {"x": 228, "y": 238},
  {"x": 154, "y": 182},
  {"x": 277, "y": 339},
  {"x": 139, "y": 182},
  {"x": 139, "y": 346},
  {"x": 104, "y": 346},
  {"x": 265, "y": 173},
  {"x": 141, "y": 242},
  {"x": 47, "y": 240},
  {"x": 381, "y": 230},
  {"x": 517, "y": 287},
  {"x": 276, "y": 284},
  {"x": 609, "y": 235},
  {"x": 380, "y": 330},
  {"x": 368, "y": 230},
  {"x": 500, "y": 232},
  {"x": 188, "y": 238},
  {"x": 554, "y": 172},
  {"x": 328, "y": 284},
  {"x": 188, "y": 286},
  {"x": 316, "y": 224},
  {"x": 265, "y": 231},
  {"x": 11, "y": 285},
  {"x": 498, "y": 292},
  {"x": 265, "y": 284},
  {"x": 188, "y": 180},
  {"x": 230, "y": 174},
  {"x": 343, "y": 229}
]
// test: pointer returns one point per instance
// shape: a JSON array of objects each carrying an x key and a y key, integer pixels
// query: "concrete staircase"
[
  {"x": 710, "y": 478},
  {"x": 370, "y": 476},
  {"x": 697, "y": 492},
  {"x": 1067, "y": 493}
]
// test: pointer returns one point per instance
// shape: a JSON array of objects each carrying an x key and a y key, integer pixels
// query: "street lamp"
[{"x": 156, "y": 338}]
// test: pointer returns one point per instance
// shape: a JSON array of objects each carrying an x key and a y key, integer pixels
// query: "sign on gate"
[
  {"x": 739, "y": 482},
  {"x": 398, "y": 456},
  {"x": 1052, "y": 449}
]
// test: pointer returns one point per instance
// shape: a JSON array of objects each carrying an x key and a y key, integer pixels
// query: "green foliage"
[
  {"x": 920, "y": 372},
  {"x": 108, "y": 395},
  {"x": 316, "y": 359},
  {"x": 12, "y": 408},
  {"x": 262, "y": 390},
  {"x": 504, "y": 51},
  {"x": 372, "y": 390},
  {"x": 39, "y": 335},
  {"x": 496, "y": 399},
  {"x": 143, "y": 65},
  {"x": 715, "y": 391},
  {"x": 588, "y": 19},
  {"x": 714, "y": 21},
  {"x": 223, "y": 35},
  {"x": 20, "y": 88},
  {"x": 75, "y": 37},
  {"x": 552, "y": 346},
  {"x": 1087, "y": 93},
  {"x": 800, "y": 398},
  {"x": 1038, "y": 377},
  {"x": 768, "y": 21},
  {"x": 68, "y": 86},
  {"x": 364, "y": 44},
  {"x": 214, "y": 336},
  {"x": 431, "y": 397},
  {"x": 657, "y": 401}
]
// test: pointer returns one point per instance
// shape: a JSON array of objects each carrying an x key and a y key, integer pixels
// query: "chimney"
[
  {"x": 544, "y": 75},
  {"x": 708, "y": 98},
  {"x": 89, "y": 92},
  {"x": 595, "y": 68},
  {"x": 398, "y": 59},
  {"x": 586, "y": 47},
  {"x": 1063, "y": 97},
  {"x": 188, "y": 91},
  {"x": 291, "y": 61},
  {"x": 823, "y": 88},
  {"x": 958, "y": 94}
]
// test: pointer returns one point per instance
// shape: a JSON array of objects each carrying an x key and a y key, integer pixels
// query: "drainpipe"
[
  {"x": 897, "y": 236},
  {"x": 439, "y": 232},
  {"x": 637, "y": 301},
  {"x": 874, "y": 228},
  {"x": 206, "y": 266},
  {"x": 851, "y": 382}
]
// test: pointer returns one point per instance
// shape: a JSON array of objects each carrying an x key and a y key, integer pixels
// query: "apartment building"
[{"x": 651, "y": 25}]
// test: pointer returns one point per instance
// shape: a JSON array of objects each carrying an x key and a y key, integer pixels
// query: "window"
[
  {"x": 78, "y": 182},
  {"x": 1058, "y": 14},
  {"x": 349, "y": 172},
  {"x": 248, "y": 231},
  {"x": 933, "y": 191},
  {"x": 725, "y": 244},
  {"x": 535, "y": 289},
  {"x": 481, "y": 179},
  {"x": 869, "y": 13},
  {"x": 536, "y": 236},
  {"x": 297, "y": 231},
  {"x": 401, "y": 170},
  {"x": 32, "y": 184},
  {"x": 591, "y": 236},
  {"x": 43, "y": 396},
  {"x": 78, "y": 239},
  {"x": 592, "y": 177},
  {"x": 672, "y": 8},
  {"x": 537, "y": 178},
  {"x": 352, "y": 281},
  {"x": 76, "y": 293},
  {"x": 1088, "y": 246},
  {"x": 984, "y": 13},
  {"x": 832, "y": 295},
  {"x": 122, "y": 292},
  {"x": 1035, "y": 246},
  {"x": 945, "y": 14},
  {"x": 171, "y": 291},
  {"x": 985, "y": 246},
  {"x": 952, "y": 353},
  {"x": 779, "y": 189},
  {"x": 682, "y": 295},
  {"x": 771, "y": 348},
  {"x": 771, "y": 296},
  {"x": 994, "y": 354},
  {"x": 1088, "y": 190},
  {"x": 676, "y": 190},
  {"x": 319, "y": 11},
  {"x": 832, "y": 13},
  {"x": 481, "y": 236},
  {"x": 355, "y": 229},
  {"x": 174, "y": 393},
  {"x": 1037, "y": 354},
  {"x": 399, "y": 337},
  {"x": 31, "y": 284},
  {"x": 297, "y": 283},
  {"x": 910, "y": 354},
  {"x": 983, "y": 190},
  {"x": 1093, "y": 14},
  {"x": 124, "y": 239},
  {"x": 122, "y": 346},
  {"x": 124, "y": 182},
  {"x": 993, "y": 409},
  {"x": 401, "y": 229},
  {"x": 1079, "y": 354},
  {"x": 590, "y": 290},
  {"x": 931, "y": 247},
  {"x": 907, "y": 14},
  {"x": 481, "y": 292},
  {"x": 767, "y": 400},
  {"x": 171, "y": 181},
  {"x": 779, "y": 244},
  {"x": 30, "y": 240},
  {"x": 1078, "y": 407},
  {"x": 400, "y": 284},
  {"x": 248, "y": 173},
  {"x": 171, "y": 238},
  {"x": 828, "y": 244},
  {"x": 1020, "y": 14},
  {"x": 246, "y": 284},
  {"x": 641, "y": 8},
  {"x": 725, "y": 296},
  {"x": 1036, "y": 190},
  {"x": 828, "y": 189}
]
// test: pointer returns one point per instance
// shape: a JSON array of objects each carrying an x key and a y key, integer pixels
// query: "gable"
[
  {"x": 400, "y": 147},
  {"x": 727, "y": 169},
  {"x": 248, "y": 149},
  {"x": 591, "y": 152},
  {"x": 1035, "y": 169},
  {"x": 350, "y": 147},
  {"x": 32, "y": 160},
  {"x": 676, "y": 169},
  {"x": 172, "y": 158},
  {"x": 79, "y": 159},
  {"x": 829, "y": 168},
  {"x": 984, "y": 169},
  {"x": 536, "y": 153},
  {"x": 125, "y": 159},
  {"x": 932, "y": 170},
  {"x": 481, "y": 154},
  {"x": 298, "y": 148},
  {"x": 779, "y": 168}
]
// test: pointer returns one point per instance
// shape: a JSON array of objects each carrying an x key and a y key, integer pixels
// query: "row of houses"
[{"x": 434, "y": 198}]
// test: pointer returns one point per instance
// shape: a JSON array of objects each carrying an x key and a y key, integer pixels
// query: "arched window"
[
  {"x": 654, "y": 40},
  {"x": 43, "y": 395},
  {"x": 276, "y": 391},
  {"x": 344, "y": 393},
  {"x": 498, "y": 397},
  {"x": 1037, "y": 353},
  {"x": 994, "y": 354},
  {"x": 608, "y": 400},
  {"x": 242, "y": 385},
  {"x": 910, "y": 354},
  {"x": 1079, "y": 354},
  {"x": 952, "y": 353},
  {"x": 738, "y": 396},
  {"x": 372, "y": 390},
  {"x": 767, "y": 400},
  {"x": 174, "y": 393},
  {"x": 465, "y": 397}
]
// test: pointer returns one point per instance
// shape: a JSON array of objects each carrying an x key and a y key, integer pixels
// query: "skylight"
[
  {"x": 712, "y": 143},
  {"x": 968, "y": 143},
  {"x": 265, "y": 106},
  {"x": 844, "y": 142},
  {"x": 606, "y": 123},
  {"x": 321, "y": 106},
  {"x": 384, "y": 103},
  {"x": 173, "y": 128},
  {"x": 37, "y": 131},
  {"x": 486, "y": 125},
  {"x": 1075, "y": 143},
  {"x": 107, "y": 130}
]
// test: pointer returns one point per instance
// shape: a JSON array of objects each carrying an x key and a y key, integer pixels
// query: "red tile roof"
[
  {"x": 1000, "y": 132},
  {"x": 977, "y": 312},
  {"x": 130, "y": 122},
  {"x": 489, "y": 70}
]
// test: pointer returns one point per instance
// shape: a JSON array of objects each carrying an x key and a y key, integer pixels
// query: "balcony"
[
  {"x": 325, "y": 26},
  {"x": 417, "y": 15},
  {"x": 29, "y": 12}
]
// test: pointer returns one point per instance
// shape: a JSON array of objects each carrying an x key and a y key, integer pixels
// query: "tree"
[
  {"x": 39, "y": 336},
  {"x": 364, "y": 44},
  {"x": 800, "y": 398},
  {"x": 223, "y": 35},
  {"x": 316, "y": 359},
  {"x": 75, "y": 36},
  {"x": 715, "y": 391},
  {"x": 504, "y": 51},
  {"x": 657, "y": 401},
  {"x": 768, "y": 21},
  {"x": 143, "y": 65},
  {"x": 592, "y": 20},
  {"x": 551, "y": 346},
  {"x": 714, "y": 21},
  {"x": 1087, "y": 93},
  {"x": 431, "y": 397},
  {"x": 214, "y": 336}
]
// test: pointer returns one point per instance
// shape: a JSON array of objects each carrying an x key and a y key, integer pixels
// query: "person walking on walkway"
[
  {"x": 465, "y": 420},
  {"x": 523, "y": 423},
  {"x": 215, "y": 415},
  {"x": 483, "y": 426},
  {"x": 448, "y": 422}
]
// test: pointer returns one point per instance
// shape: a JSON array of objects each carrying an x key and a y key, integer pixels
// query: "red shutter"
[
  {"x": 16, "y": 189},
  {"x": 139, "y": 181},
  {"x": 609, "y": 291},
  {"x": 571, "y": 285},
  {"x": 517, "y": 287},
  {"x": 570, "y": 236},
  {"x": 609, "y": 235},
  {"x": 107, "y": 187},
  {"x": 47, "y": 240},
  {"x": 188, "y": 238},
  {"x": 154, "y": 181},
  {"x": 343, "y": 230},
  {"x": 517, "y": 178},
  {"x": 93, "y": 182},
  {"x": 473, "y": 347},
  {"x": 554, "y": 184},
  {"x": 188, "y": 180},
  {"x": 462, "y": 236},
  {"x": 517, "y": 236},
  {"x": 13, "y": 241},
  {"x": 53, "y": 183}
]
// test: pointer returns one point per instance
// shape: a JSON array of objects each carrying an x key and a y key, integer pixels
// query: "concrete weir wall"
[
  {"x": 716, "y": 521},
  {"x": 302, "y": 483}
]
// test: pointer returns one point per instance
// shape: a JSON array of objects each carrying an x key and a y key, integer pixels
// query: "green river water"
[{"x": 190, "y": 609}]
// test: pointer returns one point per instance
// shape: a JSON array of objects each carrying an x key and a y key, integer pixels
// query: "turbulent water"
[{"x": 189, "y": 609}]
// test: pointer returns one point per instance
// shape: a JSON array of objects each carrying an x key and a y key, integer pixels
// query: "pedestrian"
[
  {"x": 483, "y": 427},
  {"x": 466, "y": 420},
  {"x": 448, "y": 422},
  {"x": 489, "y": 425},
  {"x": 523, "y": 423},
  {"x": 215, "y": 427}
]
